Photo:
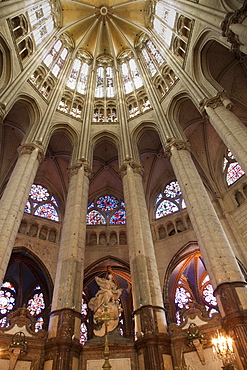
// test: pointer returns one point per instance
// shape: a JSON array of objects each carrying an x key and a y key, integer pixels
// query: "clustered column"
[
  {"x": 227, "y": 279},
  {"x": 229, "y": 127},
  {"x": 152, "y": 341},
  {"x": 63, "y": 348},
  {"x": 14, "y": 198}
]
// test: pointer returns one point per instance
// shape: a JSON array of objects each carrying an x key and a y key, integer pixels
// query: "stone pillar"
[
  {"x": 153, "y": 345},
  {"x": 227, "y": 279},
  {"x": 231, "y": 130},
  {"x": 14, "y": 198},
  {"x": 63, "y": 348}
]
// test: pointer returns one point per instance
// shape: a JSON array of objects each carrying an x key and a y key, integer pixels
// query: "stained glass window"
[
  {"x": 191, "y": 285},
  {"x": 149, "y": 62},
  {"x": 41, "y": 21},
  {"x": 56, "y": 57},
  {"x": 169, "y": 201},
  {"x": 106, "y": 209},
  {"x": 36, "y": 304},
  {"x": 47, "y": 211},
  {"x": 131, "y": 76},
  {"x": 104, "y": 82},
  {"x": 119, "y": 217},
  {"x": 7, "y": 301},
  {"x": 231, "y": 168},
  {"x": 41, "y": 203},
  {"x": 83, "y": 333},
  {"x": 95, "y": 218},
  {"x": 107, "y": 203},
  {"x": 155, "y": 53},
  {"x": 39, "y": 324}
]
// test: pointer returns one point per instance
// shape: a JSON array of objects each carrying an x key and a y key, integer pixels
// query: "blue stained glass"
[
  {"x": 90, "y": 205},
  {"x": 165, "y": 208},
  {"x": 158, "y": 198},
  {"x": 122, "y": 203},
  {"x": 107, "y": 203},
  {"x": 47, "y": 211},
  {"x": 39, "y": 324},
  {"x": 27, "y": 207},
  {"x": 95, "y": 218},
  {"x": 38, "y": 193},
  {"x": 119, "y": 217}
]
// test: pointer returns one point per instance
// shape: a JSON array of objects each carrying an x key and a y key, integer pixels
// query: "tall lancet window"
[
  {"x": 56, "y": 57},
  {"x": 164, "y": 22},
  {"x": 78, "y": 76},
  {"x": 41, "y": 20},
  {"x": 104, "y": 80},
  {"x": 131, "y": 76}
]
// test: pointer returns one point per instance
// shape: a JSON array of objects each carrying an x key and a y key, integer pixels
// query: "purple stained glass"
[
  {"x": 165, "y": 208},
  {"x": 47, "y": 211},
  {"x": 39, "y": 324},
  {"x": 182, "y": 297},
  {"x": 39, "y": 193},
  {"x": 234, "y": 172},
  {"x": 107, "y": 203},
  {"x": 119, "y": 217},
  {"x": 95, "y": 218},
  {"x": 7, "y": 301},
  {"x": 36, "y": 304}
]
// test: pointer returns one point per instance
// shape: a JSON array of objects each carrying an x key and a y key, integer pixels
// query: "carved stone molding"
[
  {"x": 232, "y": 18},
  {"x": 221, "y": 99},
  {"x": 178, "y": 144},
  {"x": 74, "y": 168},
  {"x": 136, "y": 167},
  {"x": 28, "y": 148},
  {"x": 148, "y": 318},
  {"x": 227, "y": 295}
]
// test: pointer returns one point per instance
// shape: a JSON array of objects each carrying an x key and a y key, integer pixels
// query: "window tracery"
[
  {"x": 106, "y": 210},
  {"x": 45, "y": 76},
  {"x": 190, "y": 286},
  {"x": 21, "y": 34},
  {"x": 41, "y": 203},
  {"x": 231, "y": 168},
  {"x": 36, "y": 306},
  {"x": 170, "y": 200}
]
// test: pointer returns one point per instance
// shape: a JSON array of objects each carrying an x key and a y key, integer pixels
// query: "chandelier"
[{"x": 223, "y": 348}]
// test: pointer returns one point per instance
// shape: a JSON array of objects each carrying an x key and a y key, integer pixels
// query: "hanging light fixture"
[{"x": 223, "y": 348}]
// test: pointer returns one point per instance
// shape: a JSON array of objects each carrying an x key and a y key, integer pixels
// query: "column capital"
[
  {"x": 221, "y": 99},
  {"x": 136, "y": 167},
  {"x": 28, "y": 148},
  {"x": 232, "y": 18},
  {"x": 74, "y": 168},
  {"x": 178, "y": 144}
]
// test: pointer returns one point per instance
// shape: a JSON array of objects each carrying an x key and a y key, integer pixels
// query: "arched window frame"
[
  {"x": 106, "y": 214},
  {"x": 171, "y": 203},
  {"x": 33, "y": 205},
  {"x": 231, "y": 168}
]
